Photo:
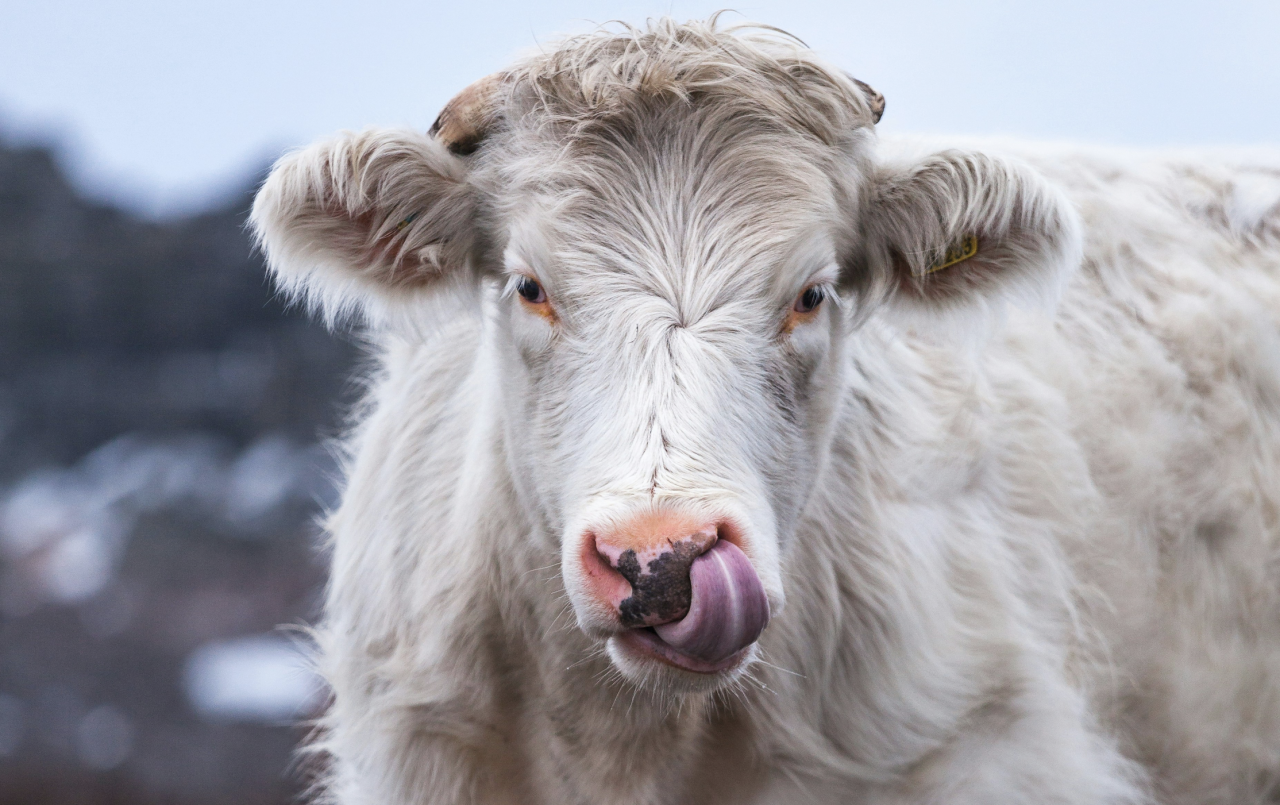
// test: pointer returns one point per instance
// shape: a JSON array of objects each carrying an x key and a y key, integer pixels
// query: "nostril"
[
  {"x": 607, "y": 583},
  {"x": 607, "y": 552}
]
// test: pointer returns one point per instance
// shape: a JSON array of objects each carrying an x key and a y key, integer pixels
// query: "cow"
[{"x": 716, "y": 450}]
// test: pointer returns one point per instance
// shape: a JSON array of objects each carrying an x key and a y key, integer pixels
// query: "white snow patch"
[{"x": 64, "y": 531}]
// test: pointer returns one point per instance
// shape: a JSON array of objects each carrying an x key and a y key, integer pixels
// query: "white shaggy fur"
[{"x": 1017, "y": 553}]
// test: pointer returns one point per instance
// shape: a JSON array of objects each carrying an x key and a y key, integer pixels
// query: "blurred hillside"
[{"x": 159, "y": 481}]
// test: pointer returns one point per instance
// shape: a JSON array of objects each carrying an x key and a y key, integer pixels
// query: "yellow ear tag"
[{"x": 956, "y": 253}]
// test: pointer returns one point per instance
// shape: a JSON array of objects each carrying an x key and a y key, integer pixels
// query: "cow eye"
[
  {"x": 809, "y": 300},
  {"x": 530, "y": 291}
]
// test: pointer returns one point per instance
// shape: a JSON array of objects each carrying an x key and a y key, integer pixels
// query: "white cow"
[{"x": 720, "y": 453}]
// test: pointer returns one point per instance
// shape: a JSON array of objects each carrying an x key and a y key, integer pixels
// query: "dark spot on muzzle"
[{"x": 662, "y": 594}]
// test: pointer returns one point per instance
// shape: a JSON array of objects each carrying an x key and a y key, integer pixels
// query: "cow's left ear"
[
  {"x": 958, "y": 229},
  {"x": 380, "y": 224},
  {"x": 362, "y": 223}
]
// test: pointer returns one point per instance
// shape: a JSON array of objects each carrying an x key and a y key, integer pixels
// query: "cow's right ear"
[
  {"x": 364, "y": 223},
  {"x": 945, "y": 234}
]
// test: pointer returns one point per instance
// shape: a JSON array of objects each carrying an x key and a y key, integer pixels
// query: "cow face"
[
  {"x": 671, "y": 278},
  {"x": 671, "y": 331}
]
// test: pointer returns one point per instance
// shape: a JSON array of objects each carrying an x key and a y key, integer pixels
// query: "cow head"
[{"x": 674, "y": 234}]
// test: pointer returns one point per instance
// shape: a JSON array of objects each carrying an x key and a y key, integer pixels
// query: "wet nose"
[{"x": 653, "y": 554}]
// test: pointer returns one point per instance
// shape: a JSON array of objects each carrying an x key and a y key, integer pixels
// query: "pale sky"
[{"x": 163, "y": 105}]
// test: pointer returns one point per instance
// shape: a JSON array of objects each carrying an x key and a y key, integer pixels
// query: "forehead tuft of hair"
[{"x": 587, "y": 80}]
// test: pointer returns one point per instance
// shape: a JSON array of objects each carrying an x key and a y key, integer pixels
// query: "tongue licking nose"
[
  {"x": 728, "y": 609},
  {"x": 680, "y": 589}
]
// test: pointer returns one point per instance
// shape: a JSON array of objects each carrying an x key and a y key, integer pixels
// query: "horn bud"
[
  {"x": 464, "y": 121},
  {"x": 874, "y": 100}
]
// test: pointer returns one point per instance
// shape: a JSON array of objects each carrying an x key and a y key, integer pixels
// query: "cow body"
[{"x": 1036, "y": 557}]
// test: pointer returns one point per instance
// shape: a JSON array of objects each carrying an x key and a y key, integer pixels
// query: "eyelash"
[
  {"x": 531, "y": 291},
  {"x": 810, "y": 299}
]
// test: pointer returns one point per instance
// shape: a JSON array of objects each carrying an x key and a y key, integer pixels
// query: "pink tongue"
[{"x": 728, "y": 610}]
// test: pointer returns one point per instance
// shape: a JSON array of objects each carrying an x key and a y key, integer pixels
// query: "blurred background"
[{"x": 163, "y": 416}]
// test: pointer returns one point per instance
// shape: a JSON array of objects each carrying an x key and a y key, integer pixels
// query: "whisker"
[{"x": 780, "y": 668}]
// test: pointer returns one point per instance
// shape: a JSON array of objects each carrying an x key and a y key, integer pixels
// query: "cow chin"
[{"x": 643, "y": 659}]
